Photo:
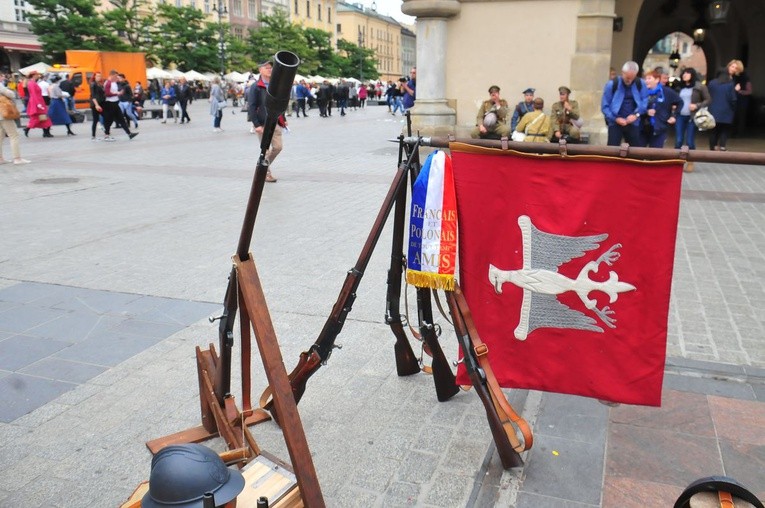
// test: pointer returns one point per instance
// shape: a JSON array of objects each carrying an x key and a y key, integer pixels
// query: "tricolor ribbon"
[{"x": 433, "y": 225}]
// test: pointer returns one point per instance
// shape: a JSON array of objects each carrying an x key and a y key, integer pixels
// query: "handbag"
[
  {"x": 8, "y": 109},
  {"x": 222, "y": 104},
  {"x": 704, "y": 119},
  {"x": 42, "y": 117}
]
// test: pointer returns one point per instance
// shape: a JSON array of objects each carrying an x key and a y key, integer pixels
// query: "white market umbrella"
[
  {"x": 157, "y": 73},
  {"x": 353, "y": 80},
  {"x": 196, "y": 76},
  {"x": 40, "y": 67},
  {"x": 300, "y": 77},
  {"x": 236, "y": 76},
  {"x": 175, "y": 73},
  {"x": 317, "y": 79}
]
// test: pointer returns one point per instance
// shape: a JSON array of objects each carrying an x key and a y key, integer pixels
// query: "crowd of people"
[{"x": 640, "y": 111}]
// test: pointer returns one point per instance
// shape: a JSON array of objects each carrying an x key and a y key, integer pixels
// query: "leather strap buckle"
[
  {"x": 624, "y": 149},
  {"x": 481, "y": 350},
  {"x": 503, "y": 140}
]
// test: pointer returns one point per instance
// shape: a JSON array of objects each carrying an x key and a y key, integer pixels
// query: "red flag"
[{"x": 566, "y": 264}]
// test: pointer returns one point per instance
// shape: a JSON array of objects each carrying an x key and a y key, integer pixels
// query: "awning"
[{"x": 15, "y": 46}]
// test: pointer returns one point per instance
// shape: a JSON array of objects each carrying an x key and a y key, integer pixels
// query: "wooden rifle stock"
[
  {"x": 406, "y": 360},
  {"x": 443, "y": 377},
  {"x": 500, "y": 422}
]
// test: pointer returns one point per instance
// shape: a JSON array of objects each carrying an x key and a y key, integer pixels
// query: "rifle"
[
  {"x": 501, "y": 416},
  {"x": 318, "y": 354},
  {"x": 277, "y": 100},
  {"x": 443, "y": 377},
  {"x": 406, "y": 361}
]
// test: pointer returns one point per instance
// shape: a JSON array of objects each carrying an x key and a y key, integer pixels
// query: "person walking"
[
  {"x": 217, "y": 97},
  {"x": 695, "y": 96},
  {"x": 362, "y": 96},
  {"x": 722, "y": 94},
  {"x": 57, "y": 110},
  {"x": 97, "y": 99},
  {"x": 112, "y": 111},
  {"x": 660, "y": 113},
  {"x": 8, "y": 128},
  {"x": 184, "y": 96},
  {"x": 302, "y": 93},
  {"x": 127, "y": 102},
  {"x": 37, "y": 110},
  {"x": 258, "y": 115},
  {"x": 624, "y": 100},
  {"x": 168, "y": 98}
]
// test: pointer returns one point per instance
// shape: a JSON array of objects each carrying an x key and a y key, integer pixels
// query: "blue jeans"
[
  {"x": 397, "y": 104},
  {"x": 685, "y": 131},
  {"x": 218, "y": 117}
]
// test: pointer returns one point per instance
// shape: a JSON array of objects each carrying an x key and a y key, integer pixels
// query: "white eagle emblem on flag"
[{"x": 543, "y": 254}]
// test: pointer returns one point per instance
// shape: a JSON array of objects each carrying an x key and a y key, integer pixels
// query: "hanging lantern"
[{"x": 718, "y": 11}]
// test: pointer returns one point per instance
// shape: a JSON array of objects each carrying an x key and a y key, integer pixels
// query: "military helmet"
[{"x": 181, "y": 476}]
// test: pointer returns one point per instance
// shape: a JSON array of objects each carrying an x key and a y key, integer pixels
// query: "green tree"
[
  {"x": 70, "y": 24},
  {"x": 357, "y": 62},
  {"x": 183, "y": 37},
  {"x": 127, "y": 20},
  {"x": 278, "y": 33},
  {"x": 329, "y": 63}
]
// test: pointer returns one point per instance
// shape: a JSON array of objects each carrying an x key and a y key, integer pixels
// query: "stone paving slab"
[{"x": 158, "y": 217}]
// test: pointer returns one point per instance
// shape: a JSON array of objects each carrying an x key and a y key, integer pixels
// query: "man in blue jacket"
[{"x": 624, "y": 99}]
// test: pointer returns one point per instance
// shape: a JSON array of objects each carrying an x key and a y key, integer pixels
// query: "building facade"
[
  {"x": 371, "y": 30},
  {"x": 408, "y": 50},
  {"x": 320, "y": 14},
  {"x": 18, "y": 45}
]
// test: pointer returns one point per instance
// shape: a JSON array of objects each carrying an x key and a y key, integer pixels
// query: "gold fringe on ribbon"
[{"x": 430, "y": 280}]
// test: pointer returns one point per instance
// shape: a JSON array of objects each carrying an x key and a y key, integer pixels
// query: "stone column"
[
  {"x": 431, "y": 115},
  {"x": 590, "y": 63}
]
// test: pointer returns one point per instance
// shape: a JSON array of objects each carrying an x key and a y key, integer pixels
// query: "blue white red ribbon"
[{"x": 433, "y": 225}]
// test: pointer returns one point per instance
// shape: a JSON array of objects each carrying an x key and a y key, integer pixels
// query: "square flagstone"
[
  {"x": 746, "y": 463},
  {"x": 738, "y": 420},
  {"x": 180, "y": 311},
  {"x": 107, "y": 349},
  {"x": 566, "y": 469},
  {"x": 74, "y": 326},
  {"x": 660, "y": 455},
  {"x": 20, "y": 319},
  {"x": 63, "y": 370},
  {"x": 21, "y": 394},
  {"x": 28, "y": 292},
  {"x": 624, "y": 492},
  {"x": 100, "y": 302},
  {"x": 572, "y": 417},
  {"x": 683, "y": 411},
  {"x": 21, "y": 350}
]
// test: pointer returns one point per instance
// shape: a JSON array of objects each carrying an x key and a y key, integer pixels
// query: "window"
[
  {"x": 178, "y": 3},
  {"x": 20, "y": 10},
  {"x": 297, "y": 8},
  {"x": 252, "y": 9},
  {"x": 329, "y": 15},
  {"x": 236, "y": 7},
  {"x": 307, "y": 8},
  {"x": 207, "y": 7},
  {"x": 339, "y": 28},
  {"x": 318, "y": 12}
]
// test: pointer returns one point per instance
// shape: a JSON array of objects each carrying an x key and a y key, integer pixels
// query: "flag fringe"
[{"x": 430, "y": 280}]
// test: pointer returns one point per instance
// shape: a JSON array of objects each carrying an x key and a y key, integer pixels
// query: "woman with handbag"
[
  {"x": 57, "y": 109},
  {"x": 37, "y": 110},
  {"x": 695, "y": 96},
  {"x": 8, "y": 116},
  {"x": 722, "y": 108}
]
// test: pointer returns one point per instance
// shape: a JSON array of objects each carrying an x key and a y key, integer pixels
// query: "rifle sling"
[{"x": 507, "y": 414}]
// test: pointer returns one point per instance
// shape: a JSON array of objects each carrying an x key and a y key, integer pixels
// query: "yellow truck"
[{"x": 81, "y": 65}]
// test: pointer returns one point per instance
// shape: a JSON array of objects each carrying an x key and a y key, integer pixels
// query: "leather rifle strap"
[
  {"x": 504, "y": 409},
  {"x": 726, "y": 499}
]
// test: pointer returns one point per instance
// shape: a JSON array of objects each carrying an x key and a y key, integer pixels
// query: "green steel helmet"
[{"x": 181, "y": 476}]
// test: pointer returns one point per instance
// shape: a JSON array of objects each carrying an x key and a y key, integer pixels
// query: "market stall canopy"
[
  {"x": 157, "y": 73},
  {"x": 175, "y": 73},
  {"x": 196, "y": 76},
  {"x": 40, "y": 67},
  {"x": 236, "y": 76}
]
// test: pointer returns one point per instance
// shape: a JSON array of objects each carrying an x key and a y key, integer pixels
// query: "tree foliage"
[
  {"x": 182, "y": 36},
  {"x": 70, "y": 24}
]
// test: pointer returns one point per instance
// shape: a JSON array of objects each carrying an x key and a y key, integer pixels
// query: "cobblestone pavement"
[{"x": 149, "y": 226}]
